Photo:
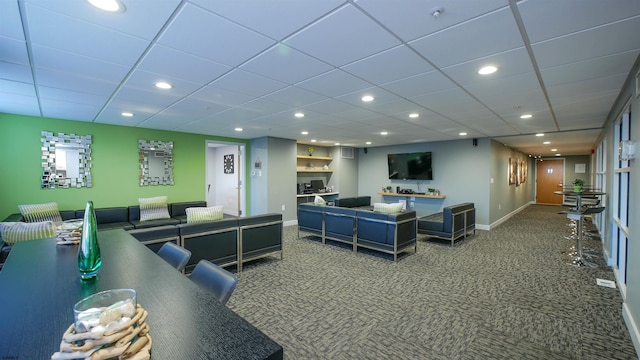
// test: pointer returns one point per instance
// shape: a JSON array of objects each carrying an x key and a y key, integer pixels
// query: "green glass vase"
[{"x": 89, "y": 259}]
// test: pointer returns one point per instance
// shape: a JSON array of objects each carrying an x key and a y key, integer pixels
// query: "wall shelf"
[
  {"x": 307, "y": 170},
  {"x": 413, "y": 195},
  {"x": 306, "y": 157}
]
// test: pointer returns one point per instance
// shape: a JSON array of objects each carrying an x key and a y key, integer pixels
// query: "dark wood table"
[{"x": 40, "y": 283}]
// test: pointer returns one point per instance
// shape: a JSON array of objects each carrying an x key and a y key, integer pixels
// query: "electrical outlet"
[
  {"x": 499, "y": 206},
  {"x": 282, "y": 207}
]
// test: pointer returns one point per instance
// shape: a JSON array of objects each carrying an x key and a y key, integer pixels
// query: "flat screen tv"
[{"x": 410, "y": 166}]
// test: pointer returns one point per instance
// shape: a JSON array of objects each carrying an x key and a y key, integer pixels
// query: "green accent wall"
[{"x": 115, "y": 166}]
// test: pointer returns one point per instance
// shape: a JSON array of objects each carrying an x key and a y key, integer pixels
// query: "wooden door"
[{"x": 549, "y": 177}]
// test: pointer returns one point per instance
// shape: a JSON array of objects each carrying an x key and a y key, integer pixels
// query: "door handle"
[{"x": 560, "y": 185}]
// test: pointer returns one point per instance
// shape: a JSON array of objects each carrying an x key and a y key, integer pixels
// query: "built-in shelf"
[
  {"x": 306, "y": 157},
  {"x": 319, "y": 163},
  {"x": 413, "y": 195},
  {"x": 308, "y": 170}
]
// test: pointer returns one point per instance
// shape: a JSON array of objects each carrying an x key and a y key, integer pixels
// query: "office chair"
[
  {"x": 220, "y": 282},
  {"x": 175, "y": 255}
]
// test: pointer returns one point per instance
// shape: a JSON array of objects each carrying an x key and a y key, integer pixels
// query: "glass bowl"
[{"x": 102, "y": 308}]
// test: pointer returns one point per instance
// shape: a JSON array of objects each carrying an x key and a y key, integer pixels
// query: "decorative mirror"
[
  {"x": 66, "y": 160},
  {"x": 156, "y": 162}
]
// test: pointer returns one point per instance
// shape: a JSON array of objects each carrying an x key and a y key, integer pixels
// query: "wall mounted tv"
[{"x": 410, "y": 166}]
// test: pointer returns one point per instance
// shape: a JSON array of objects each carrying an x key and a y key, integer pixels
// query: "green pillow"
[
  {"x": 204, "y": 214},
  {"x": 41, "y": 212},
  {"x": 13, "y": 232}
]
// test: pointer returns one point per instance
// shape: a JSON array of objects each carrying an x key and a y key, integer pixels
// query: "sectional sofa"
[
  {"x": 361, "y": 228},
  {"x": 230, "y": 241}
]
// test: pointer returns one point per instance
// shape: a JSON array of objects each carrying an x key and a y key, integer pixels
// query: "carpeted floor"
[{"x": 503, "y": 294}]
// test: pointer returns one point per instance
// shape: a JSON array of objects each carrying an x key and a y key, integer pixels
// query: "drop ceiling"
[{"x": 252, "y": 64}]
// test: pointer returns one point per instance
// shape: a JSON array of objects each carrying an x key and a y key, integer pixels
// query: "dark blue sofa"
[
  {"x": 363, "y": 229},
  {"x": 454, "y": 222}
]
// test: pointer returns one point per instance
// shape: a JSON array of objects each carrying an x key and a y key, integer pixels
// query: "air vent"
[{"x": 346, "y": 152}]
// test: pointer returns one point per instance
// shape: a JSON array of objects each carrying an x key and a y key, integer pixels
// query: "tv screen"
[{"x": 410, "y": 166}]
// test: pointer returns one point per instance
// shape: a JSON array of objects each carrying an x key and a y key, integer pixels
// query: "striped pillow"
[
  {"x": 387, "y": 208},
  {"x": 204, "y": 214},
  {"x": 41, "y": 212},
  {"x": 154, "y": 208},
  {"x": 13, "y": 232}
]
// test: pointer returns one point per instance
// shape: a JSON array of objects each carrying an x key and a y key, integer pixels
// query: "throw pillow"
[
  {"x": 204, "y": 214},
  {"x": 154, "y": 208},
  {"x": 387, "y": 208},
  {"x": 13, "y": 232},
  {"x": 41, "y": 212},
  {"x": 318, "y": 200}
]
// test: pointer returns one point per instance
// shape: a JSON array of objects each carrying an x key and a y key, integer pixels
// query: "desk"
[
  {"x": 40, "y": 283},
  {"x": 579, "y": 259}
]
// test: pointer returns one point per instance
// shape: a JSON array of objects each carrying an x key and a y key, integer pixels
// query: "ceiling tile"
[
  {"x": 286, "y": 65},
  {"x": 334, "y": 83},
  {"x": 11, "y": 21},
  {"x": 78, "y": 65},
  {"x": 51, "y": 29},
  {"x": 70, "y": 81},
  {"x": 13, "y": 51},
  {"x": 14, "y": 72},
  {"x": 552, "y": 53},
  {"x": 259, "y": 15},
  {"x": 222, "y": 97},
  {"x": 397, "y": 63},
  {"x": 214, "y": 38},
  {"x": 433, "y": 81},
  {"x": 344, "y": 36},
  {"x": 247, "y": 83},
  {"x": 492, "y": 33},
  {"x": 170, "y": 62}
]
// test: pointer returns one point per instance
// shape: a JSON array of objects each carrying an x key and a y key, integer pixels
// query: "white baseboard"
[
  {"x": 509, "y": 215},
  {"x": 290, "y": 223},
  {"x": 631, "y": 325}
]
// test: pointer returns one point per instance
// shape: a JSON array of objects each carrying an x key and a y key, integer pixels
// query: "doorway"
[
  {"x": 549, "y": 178},
  {"x": 225, "y": 169}
]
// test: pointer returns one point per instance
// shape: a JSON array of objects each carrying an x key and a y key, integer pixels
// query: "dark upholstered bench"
[{"x": 452, "y": 223}]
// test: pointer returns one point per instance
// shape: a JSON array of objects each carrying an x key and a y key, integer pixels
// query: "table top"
[
  {"x": 40, "y": 283},
  {"x": 582, "y": 193}
]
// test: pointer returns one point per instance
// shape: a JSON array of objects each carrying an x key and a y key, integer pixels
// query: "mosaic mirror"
[
  {"x": 66, "y": 160},
  {"x": 156, "y": 162}
]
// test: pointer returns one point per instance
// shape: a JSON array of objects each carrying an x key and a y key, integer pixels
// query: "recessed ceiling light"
[
  {"x": 414, "y": 115},
  {"x": 546, "y": 142},
  {"x": 487, "y": 70},
  {"x": 526, "y": 116},
  {"x": 337, "y": 144},
  {"x": 383, "y": 133},
  {"x": 313, "y": 140},
  {"x": 558, "y": 154},
  {"x": 554, "y": 150},
  {"x": 299, "y": 115},
  {"x": 368, "y": 142},
  {"x": 305, "y": 133},
  {"x": 367, "y": 98},
  {"x": 539, "y": 134},
  {"x": 108, "y": 5},
  {"x": 238, "y": 129},
  {"x": 127, "y": 114},
  {"x": 163, "y": 85},
  {"x": 463, "y": 134}
]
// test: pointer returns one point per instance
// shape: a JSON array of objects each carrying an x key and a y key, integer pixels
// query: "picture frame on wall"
[
  {"x": 228, "y": 165},
  {"x": 512, "y": 170}
]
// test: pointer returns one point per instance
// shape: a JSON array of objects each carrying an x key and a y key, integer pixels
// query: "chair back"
[
  {"x": 593, "y": 210},
  {"x": 220, "y": 282},
  {"x": 175, "y": 255}
]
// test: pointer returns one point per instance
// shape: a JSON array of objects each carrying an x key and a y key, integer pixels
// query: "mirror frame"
[
  {"x": 50, "y": 179},
  {"x": 144, "y": 149}
]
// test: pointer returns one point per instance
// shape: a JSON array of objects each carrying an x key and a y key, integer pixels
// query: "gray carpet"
[{"x": 503, "y": 294}]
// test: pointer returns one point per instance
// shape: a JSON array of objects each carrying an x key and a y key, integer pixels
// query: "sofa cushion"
[
  {"x": 13, "y": 232},
  {"x": 41, "y": 212},
  {"x": 154, "y": 208},
  {"x": 387, "y": 208},
  {"x": 433, "y": 222},
  {"x": 204, "y": 214},
  {"x": 348, "y": 202},
  {"x": 363, "y": 201}
]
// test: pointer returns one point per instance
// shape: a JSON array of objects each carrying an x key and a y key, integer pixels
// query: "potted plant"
[
  {"x": 578, "y": 184},
  {"x": 431, "y": 191},
  {"x": 310, "y": 150},
  {"x": 389, "y": 189}
]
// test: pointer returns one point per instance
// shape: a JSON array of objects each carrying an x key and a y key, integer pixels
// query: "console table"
[
  {"x": 413, "y": 195},
  {"x": 40, "y": 283}
]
